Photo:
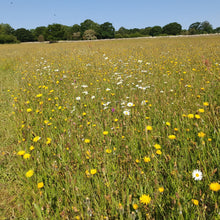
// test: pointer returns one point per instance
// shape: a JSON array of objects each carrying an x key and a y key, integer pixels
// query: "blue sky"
[{"x": 127, "y": 13}]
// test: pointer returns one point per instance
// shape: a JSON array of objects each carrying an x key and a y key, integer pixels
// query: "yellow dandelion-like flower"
[
  {"x": 36, "y": 139},
  {"x": 116, "y": 120},
  {"x": 39, "y": 95},
  {"x": 31, "y": 148},
  {"x": 29, "y": 110},
  {"x": 40, "y": 185},
  {"x": 214, "y": 187},
  {"x": 158, "y": 152},
  {"x": 87, "y": 141},
  {"x": 205, "y": 103},
  {"x": 149, "y": 128},
  {"x": 201, "y": 134},
  {"x": 30, "y": 173},
  {"x": 157, "y": 146},
  {"x": 108, "y": 151},
  {"x": 146, "y": 159},
  {"x": 161, "y": 189},
  {"x": 26, "y": 156},
  {"x": 135, "y": 206},
  {"x": 145, "y": 199},
  {"x": 190, "y": 116},
  {"x": 137, "y": 161},
  {"x": 168, "y": 123},
  {"x": 21, "y": 153},
  {"x": 201, "y": 110},
  {"x": 93, "y": 171},
  {"x": 197, "y": 116},
  {"x": 48, "y": 140},
  {"x": 105, "y": 132},
  {"x": 172, "y": 137},
  {"x": 195, "y": 201}
]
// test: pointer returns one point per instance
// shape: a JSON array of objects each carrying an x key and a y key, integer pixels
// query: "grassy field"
[{"x": 123, "y": 129}]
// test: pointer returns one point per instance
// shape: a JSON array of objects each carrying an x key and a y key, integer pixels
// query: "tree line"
[{"x": 90, "y": 30}]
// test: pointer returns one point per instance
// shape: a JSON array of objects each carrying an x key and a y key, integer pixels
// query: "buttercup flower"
[
  {"x": 214, "y": 187},
  {"x": 30, "y": 173}
]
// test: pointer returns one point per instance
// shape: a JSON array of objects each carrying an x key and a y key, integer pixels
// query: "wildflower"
[
  {"x": 137, "y": 161},
  {"x": 157, "y": 146},
  {"x": 87, "y": 141},
  {"x": 214, "y": 187},
  {"x": 172, "y": 137},
  {"x": 145, "y": 199},
  {"x": 161, "y": 189},
  {"x": 21, "y": 153},
  {"x": 201, "y": 134},
  {"x": 149, "y": 128},
  {"x": 30, "y": 173},
  {"x": 195, "y": 201},
  {"x": 93, "y": 171},
  {"x": 36, "y": 139},
  {"x": 78, "y": 98},
  {"x": 209, "y": 139},
  {"x": 40, "y": 185},
  {"x": 105, "y": 132},
  {"x": 168, "y": 123},
  {"x": 158, "y": 152},
  {"x": 130, "y": 104},
  {"x": 197, "y": 175},
  {"x": 126, "y": 112},
  {"x": 48, "y": 140},
  {"x": 29, "y": 110},
  {"x": 116, "y": 120},
  {"x": 26, "y": 156},
  {"x": 205, "y": 103},
  {"x": 108, "y": 151},
  {"x": 38, "y": 95},
  {"x": 146, "y": 159},
  {"x": 201, "y": 110},
  {"x": 190, "y": 116},
  {"x": 31, "y": 148},
  {"x": 197, "y": 116},
  {"x": 135, "y": 206}
]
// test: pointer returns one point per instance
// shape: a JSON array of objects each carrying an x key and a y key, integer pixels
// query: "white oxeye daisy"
[
  {"x": 197, "y": 175},
  {"x": 130, "y": 104},
  {"x": 126, "y": 112},
  {"x": 78, "y": 98}
]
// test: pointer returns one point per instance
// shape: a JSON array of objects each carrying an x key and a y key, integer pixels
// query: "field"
[{"x": 121, "y": 129}]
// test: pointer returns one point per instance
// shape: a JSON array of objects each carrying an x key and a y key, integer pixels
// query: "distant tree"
[
  {"x": 172, "y": 28},
  {"x": 6, "y": 29},
  {"x": 76, "y": 36},
  {"x": 68, "y": 33},
  {"x": 89, "y": 35},
  {"x": 194, "y": 28},
  {"x": 24, "y": 35},
  {"x": 76, "y": 28},
  {"x": 7, "y": 39},
  {"x": 90, "y": 25},
  {"x": 205, "y": 27},
  {"x": 107, "y": 30},
  {"x": 156, "y": 31},
  {"x": 40, "y": 31},
  {"x": 40, "y": 38},
  {"x": 145, "y": 31},
  {"x": 217, "y": 30},
  {"x": 122, "y": 32},
  {"x": 55, "y": 32}
]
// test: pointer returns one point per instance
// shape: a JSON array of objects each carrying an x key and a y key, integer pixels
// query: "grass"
[{"x": 86, "y": 129}]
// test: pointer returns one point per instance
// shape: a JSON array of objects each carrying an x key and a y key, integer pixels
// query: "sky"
[{"x": 30, "y": 14}]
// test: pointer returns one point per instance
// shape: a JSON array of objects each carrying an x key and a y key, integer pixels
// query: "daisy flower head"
[
  {"x": 126, "y": 112},
  {"x": 197, "y": 175},
  {"x": 130, "y": 104}
]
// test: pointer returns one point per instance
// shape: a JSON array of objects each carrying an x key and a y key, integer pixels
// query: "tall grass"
[{"x": 111, "y": 129}]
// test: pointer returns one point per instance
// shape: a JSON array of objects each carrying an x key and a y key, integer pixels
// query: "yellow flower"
[
  {"x": 93, "y": 171},
  {"x": 135, "y": 206},
  {"x": 168, "y": 123},
  {"x": 116, "y": 120},
  {"x": 30, "y": 173},
  {"x": 105, "y": 132},
  {"x": 172, "y": 137},
  {"x": 158, "y": 152},
  {"x": 31, "y": 148},
  {"x": 149, "y": 128},
  {"x": 108, "y": 151},
  {"x": 40, "y": 185},
  {"x": 161, "y": 189},
  {"x": 137, "y": 161},
  {"x": 36, "y": 139},
  {"x": 201, "y": 110},
  {"x": 197, "y": 116},
  {"x": 21, "y": 153},
  {"x": 29, "y": 110},
  {"x": 190, "y": 116},
  {"x": 214, "y": 187},
  {"x": 195, "y": 201},
  {"x": 157, "y": 146},
  {"x": 146, "y": 159},
  {"x": 209, "y": 139},
  {"x": 26, "y": 156},
  {"x": 205, "y": 103},
  {"x": 87, "y": 141},
  {"x": 38, "y": 95},
  {"x": 201, "y": 134},
  {"x": 145, "y": 199},
  {"x": 48, "y": 140}
]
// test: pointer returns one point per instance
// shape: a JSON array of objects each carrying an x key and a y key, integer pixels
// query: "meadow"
[{"x": 117, "y": 129}]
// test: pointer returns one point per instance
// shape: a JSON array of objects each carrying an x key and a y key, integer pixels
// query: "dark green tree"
[
  {"x": 205, "y": 27},
  {"x": 90, "y": 25},
  {"x": 6, "y": 29},
  {"x": 40, "y": 31},
  {"x": 24, "y": 35},
  {"x": 194, "y": 28},
  {"x": 172, "y": 28},
  {"x": 217, "y": 30},
  {"x": 55, "y": 32},
  {"x": 156, "y": 31},
  {"x": 107, "y": 30}
]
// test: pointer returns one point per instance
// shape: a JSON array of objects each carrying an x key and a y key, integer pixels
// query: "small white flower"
[
  {"x": 130, "y": 104},
  {"x": 78, "y": 98},
  {"x": 92, "y": 97},
  {"x": 126, "y": 112},
  {"x": 107, "y": 89},
  {"x": 85, "y": 92},
  {"x": 197, "y": 175}
]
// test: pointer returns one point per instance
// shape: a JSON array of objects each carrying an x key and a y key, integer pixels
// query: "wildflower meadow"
[{"x": 112, "y": 129}]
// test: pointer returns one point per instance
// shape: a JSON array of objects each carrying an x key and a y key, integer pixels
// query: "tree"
[
  {"x": 107, "y": 30},
  {"x": 55, "y": 32},
  {"x": 89, "y": 35},
  {"x": 6, "y": 29},
  {"x": 205, "y": 27},
  {"x": 145, "y": 31},
  {"x": 156, "y": 31},
  {"x": 89, "y": 25},
  {"x": 194, "y": 28},
  {"x": 40, "y": 31},
  {"x": 217, "y": 30},
  {"x": 24, "y": 35},
  {"x": 172, "y": 28}
]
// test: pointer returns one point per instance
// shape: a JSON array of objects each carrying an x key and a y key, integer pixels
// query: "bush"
[{"x": 8, "y": 39}]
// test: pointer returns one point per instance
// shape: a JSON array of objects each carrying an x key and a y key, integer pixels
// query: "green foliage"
[
  {"x": 40, "y": 31},
  {"x": 55, "y": 32},
  {"x": 200, "y": 28},
  {"x": 24, "y": 35},
  {"x": 172, "y": 29},
  {"x": 156, "y": 31},
  {"x": 107, "y": 30},
  {"x": 7, "y": 39},
  {"x": 89, "y": 35}
]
